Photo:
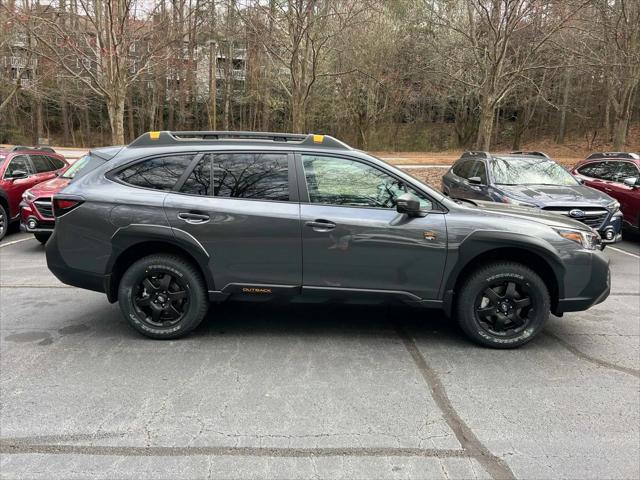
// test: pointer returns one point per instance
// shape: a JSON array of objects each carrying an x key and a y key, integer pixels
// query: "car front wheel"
[
  {"x": 163, "y": 296},
  {"x": 503, "y": 305},
  {"x": 4, "y": 221}
]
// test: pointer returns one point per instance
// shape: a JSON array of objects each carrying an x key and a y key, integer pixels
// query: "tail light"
[{"x": 65, "y": 205}]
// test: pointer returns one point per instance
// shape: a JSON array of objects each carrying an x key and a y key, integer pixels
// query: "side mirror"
[
  {"x": 409, "y": 204},
  {"x": 632, "y": 182},
  {"x": 475, "y": 180},
  {"x": 16, "y": 174}
]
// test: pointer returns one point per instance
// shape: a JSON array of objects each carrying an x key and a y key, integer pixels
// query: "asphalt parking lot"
[{"x": 320, "y": 391}]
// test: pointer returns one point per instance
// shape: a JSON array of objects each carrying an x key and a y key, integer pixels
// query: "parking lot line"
[
  {"x": 16, "y": 241},
  {"x": 623, "y": 251}
]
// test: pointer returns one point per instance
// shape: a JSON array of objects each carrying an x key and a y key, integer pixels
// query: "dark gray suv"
[{"x": 176, "y": 220}]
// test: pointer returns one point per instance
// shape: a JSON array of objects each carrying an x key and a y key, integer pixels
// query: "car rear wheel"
[
  {"x": 42, "y": 237},
  {"x": 163, "y": 296},
  {"x": 4, "y": 221},
  {"x": 503, "y": 305}
]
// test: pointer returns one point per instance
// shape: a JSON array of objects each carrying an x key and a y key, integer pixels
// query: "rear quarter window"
[{"x": 158, "y": 173}]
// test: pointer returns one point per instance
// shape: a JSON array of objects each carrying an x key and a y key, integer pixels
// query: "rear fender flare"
[{"x": 135, "y": 234}]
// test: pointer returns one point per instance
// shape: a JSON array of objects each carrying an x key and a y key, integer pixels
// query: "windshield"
[
  {"x": 76, "y": 167},
  {"x": 529, "y": 171}
]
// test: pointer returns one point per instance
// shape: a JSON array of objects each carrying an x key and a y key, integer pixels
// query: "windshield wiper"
[{"x": 509, "y": 184}]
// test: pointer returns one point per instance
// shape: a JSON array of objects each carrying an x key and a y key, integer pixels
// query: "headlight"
[
  {"x": 28, "y": 196},
  {"x": 615, "y": 206},
  {"x": 589, "y": 240}
]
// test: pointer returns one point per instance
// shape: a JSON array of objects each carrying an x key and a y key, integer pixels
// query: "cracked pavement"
[{"x": 310, "y": 391}]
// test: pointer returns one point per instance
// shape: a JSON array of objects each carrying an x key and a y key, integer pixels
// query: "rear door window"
[
  {"x": 158, "y": 173},
  {"x": 42, "y": 164},
  {"x": 600, "y": 170},
  {"x": 626, "y": 170},
  {"x": 57, "y": 163},
  {"x": 199, "y": 180},
  {"x": 258, "y": 176}
]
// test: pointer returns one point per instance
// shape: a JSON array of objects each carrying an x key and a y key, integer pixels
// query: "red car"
[
  {"x": 36, "y": 211},
  {"x": 618, "y": 175},
  {"x": 20, "y": 169}
]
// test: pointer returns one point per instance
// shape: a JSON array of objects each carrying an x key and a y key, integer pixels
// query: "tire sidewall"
[
  {"x": 150, "y": 266},
  {"x": 6, "y": 222},
  {"x": 486, "y": 277}
]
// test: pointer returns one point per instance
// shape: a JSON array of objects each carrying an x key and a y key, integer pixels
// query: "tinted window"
[
  {"x": 601, "y": 170},
  {"x": 42, "y": 164},
  {"x": 262, "y": 176},
  {"x": 18, "y": 163},
  {"x": 463, "y": 168},
  {"x": 160, "y": 173},
  {"x": 82, "y": 167},
  {"x": 199, "y": 180},
  {"x": 626, "y": 170},
  {"x": 338, "y": 181},
  {"x": 56, "y": 162}
]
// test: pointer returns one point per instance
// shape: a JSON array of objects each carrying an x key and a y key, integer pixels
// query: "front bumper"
[
  {"x": 611, "y": 230},
  {"x": 596, "y": 291},
  {"x": 32, "y": 222}
]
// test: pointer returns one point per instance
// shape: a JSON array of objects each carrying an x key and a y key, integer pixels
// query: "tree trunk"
[
  {"x": 115, "y": 108},
  {"x": 213, "y": 87},
  {"x": 562, "y": 128},
  {"x": 483, "y": 140}
]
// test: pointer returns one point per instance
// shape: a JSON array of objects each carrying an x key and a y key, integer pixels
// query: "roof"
[
  {"x": 215, "y": 138},
  {"x": 488, "y": 155},
  {"x": 616, "y": 155}
]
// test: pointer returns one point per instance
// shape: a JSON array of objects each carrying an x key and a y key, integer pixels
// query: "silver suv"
[{"x": 177, "y": 220}]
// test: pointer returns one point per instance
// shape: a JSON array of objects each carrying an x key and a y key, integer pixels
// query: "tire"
[
  {"x": 42, "y": 237},
  {"x": 4, "y": 221},
  {"x": 519, "y": 294},
  {"x": 163, "y": 296}
]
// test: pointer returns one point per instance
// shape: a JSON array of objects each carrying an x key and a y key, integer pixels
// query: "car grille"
[
  {"x": 593, "y": 216},
  {"x": 44, "y": 207}
]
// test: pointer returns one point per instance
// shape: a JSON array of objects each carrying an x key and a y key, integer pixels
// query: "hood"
[
  {"x": 557, "y": 195},
  {"x": 49, "y": 187},
  {"x": 532, "y": 214}
]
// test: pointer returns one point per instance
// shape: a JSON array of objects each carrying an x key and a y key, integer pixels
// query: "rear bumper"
[
  {"x": 68, "y": 275},
  {"x": 596, "y": 291}
]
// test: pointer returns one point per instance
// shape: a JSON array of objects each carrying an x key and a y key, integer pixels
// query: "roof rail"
[
  {"x": 38, "y": 149},
  {"x": 629, "y": 155},
  {"x": 476, "y": 154},
  {"x": 167, "y": 138},
  {"x": 533, "y": 153}
]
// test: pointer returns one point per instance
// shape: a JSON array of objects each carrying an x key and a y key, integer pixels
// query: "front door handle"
[
  {"x": 193, "y": 218},
  {"x": 321, "y": 225}
]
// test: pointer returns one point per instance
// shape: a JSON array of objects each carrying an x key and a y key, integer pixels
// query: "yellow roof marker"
[
  {"x": 154, "y": 135},
  {"x": 318, "y": 138}
]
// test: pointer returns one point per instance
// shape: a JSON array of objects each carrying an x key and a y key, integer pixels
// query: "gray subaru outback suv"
[{"x": 177, "y": 220}]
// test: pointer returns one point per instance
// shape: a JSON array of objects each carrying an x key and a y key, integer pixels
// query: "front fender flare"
[{"x": 484, "y": 241}]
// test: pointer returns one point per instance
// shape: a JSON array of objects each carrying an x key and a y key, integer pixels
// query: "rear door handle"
[
  {"x": 193, "y": 218},
  {"x": 321, "y": 225}
]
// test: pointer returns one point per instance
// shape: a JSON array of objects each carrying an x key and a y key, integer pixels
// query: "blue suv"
[{"x": 532, "y": 179}]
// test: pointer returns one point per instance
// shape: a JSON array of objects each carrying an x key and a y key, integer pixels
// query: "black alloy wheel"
[
  {"x": 163, "y": 296},
  {"x": 503, "y": 304},
  {"x": 503, "y": 308},
  {"x": 161, "y": 299}
]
